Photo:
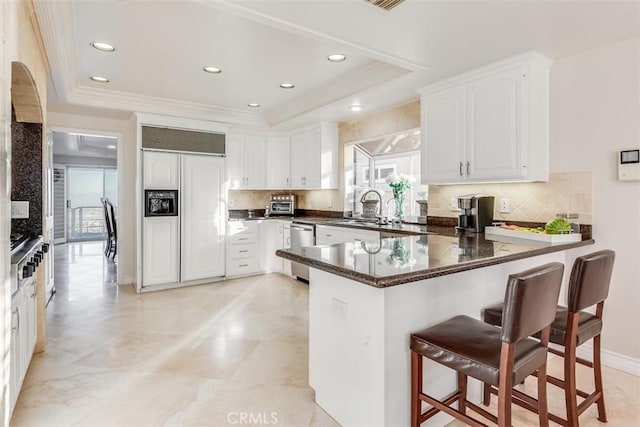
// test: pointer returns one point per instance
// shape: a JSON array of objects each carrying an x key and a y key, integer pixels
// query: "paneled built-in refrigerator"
[{"x": 183, "y": 227}]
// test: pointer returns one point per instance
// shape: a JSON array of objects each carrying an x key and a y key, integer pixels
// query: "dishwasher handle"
[{"x": 301, "y": 227}]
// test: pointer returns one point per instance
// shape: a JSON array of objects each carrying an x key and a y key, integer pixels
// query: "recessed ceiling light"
[
  {"x": 105, "y": 47},
  {"x": 336, "y": 57},
  {"x": 111, "y": 147},
  {"x": 212, "y": 70},
  {"x": 287, "y": 85},
  {"x": 253, "y": 105},
  {"x": 356, "y": 107},
  {"x": 99, "y": 79}
]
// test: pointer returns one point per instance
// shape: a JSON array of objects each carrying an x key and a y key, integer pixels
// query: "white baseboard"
[
  {"x": 127, "y": 280},
  {"x": 612, "y": 360}
]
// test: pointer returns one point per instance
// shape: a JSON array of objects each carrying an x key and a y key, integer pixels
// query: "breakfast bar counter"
[
  {"x": 398, "y": 260},
  {"x": 366, "y": 298}
]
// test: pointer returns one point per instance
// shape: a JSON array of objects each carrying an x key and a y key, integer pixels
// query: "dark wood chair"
[
  {"x": 107, "y": 225},
  {"x": 111, "y": 243},
  {"x": 113, "y": 231},
  {"x": 499, "y": 356},
  {"x": 588, "y": 286}
]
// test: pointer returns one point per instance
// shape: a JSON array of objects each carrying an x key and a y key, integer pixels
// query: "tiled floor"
[{"x": 199, "y": 356}]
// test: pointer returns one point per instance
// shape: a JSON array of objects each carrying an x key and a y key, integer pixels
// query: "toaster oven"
[{"x": 283, "y": 204}]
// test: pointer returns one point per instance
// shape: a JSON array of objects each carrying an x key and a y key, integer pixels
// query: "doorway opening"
[{"x": 85, "y": 183}]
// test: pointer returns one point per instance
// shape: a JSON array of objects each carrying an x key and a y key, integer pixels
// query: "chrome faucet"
[{"x": 380, "y": 217}]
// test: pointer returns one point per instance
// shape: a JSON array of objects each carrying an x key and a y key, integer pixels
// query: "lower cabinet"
[
  {"x": 23, "y": 337},
  {"x": 275, "y": 234},
  {"x": 243, "y": 248}
]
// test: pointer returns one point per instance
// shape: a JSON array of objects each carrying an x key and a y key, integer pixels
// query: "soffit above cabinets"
[{"x": 162, "y": 46}]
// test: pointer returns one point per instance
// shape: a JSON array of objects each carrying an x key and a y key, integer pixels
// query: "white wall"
[
  {"x": 595, "y": 111},
  {"x": 126, "y": 185}
]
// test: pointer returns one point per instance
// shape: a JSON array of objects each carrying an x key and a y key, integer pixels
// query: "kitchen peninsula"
[{"x": 366, "y": 297}]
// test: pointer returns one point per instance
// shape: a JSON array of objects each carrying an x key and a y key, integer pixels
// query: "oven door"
[{"x": 281, "y": 208}]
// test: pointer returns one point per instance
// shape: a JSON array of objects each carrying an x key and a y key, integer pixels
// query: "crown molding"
[
  {"x": 105, "y": 98},
  {"x": 232, "y": 6},
  {"x": 355, "y": 83},
  {"x": 57, "y": 22}
]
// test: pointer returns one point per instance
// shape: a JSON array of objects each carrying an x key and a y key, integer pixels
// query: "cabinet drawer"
[
  {"x": 249, "y": 250},
  {"x": 243, "y": 238},
  {"x": 242, "y": 227},
  {"x": 242, "y": 266}
]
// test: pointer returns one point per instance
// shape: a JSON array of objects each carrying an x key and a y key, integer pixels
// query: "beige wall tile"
[{"x": 535, "y": 201}]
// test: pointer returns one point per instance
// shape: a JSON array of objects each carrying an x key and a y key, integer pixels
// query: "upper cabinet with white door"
[
  {"x": 488, "y": 125},
  {"x": 161, "y": 171},
  {"x": 314, "y": 157},
  {"x": 246, "y": 165},
  {"x": 278, "y": 162}
]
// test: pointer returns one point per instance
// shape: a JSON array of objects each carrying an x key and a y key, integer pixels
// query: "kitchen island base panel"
[{"x": 359, "y": 357}]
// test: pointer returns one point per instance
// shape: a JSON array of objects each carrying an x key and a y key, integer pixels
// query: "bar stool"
[
  {"x": 588, "y": 286},
  {"x": 499, "y": 356}
]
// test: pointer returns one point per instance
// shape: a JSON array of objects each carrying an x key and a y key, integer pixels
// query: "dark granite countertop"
[{"x": 397, "y": 260}]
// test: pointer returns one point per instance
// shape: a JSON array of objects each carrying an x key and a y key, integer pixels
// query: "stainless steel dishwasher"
[{"x": 301, "y": 235}]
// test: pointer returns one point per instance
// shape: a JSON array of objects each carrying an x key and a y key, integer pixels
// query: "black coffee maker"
[{"x": 476, "y": 212}]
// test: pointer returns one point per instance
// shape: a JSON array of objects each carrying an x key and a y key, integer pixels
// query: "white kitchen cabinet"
[
  {"x": 246, "y": 166},
  {"x": 488, "y": 125},
  {"x": 161, "y": 170},
  {"x": 314, "y": 157},
  {"x": 161, "y": 251},
  {"x": 278, "y": 162},
  {"x": 271, "y": 239},
  {"x": 330, "y": 235},
  {"x": 202, "y": 219},
  {"x": 275, "y": 234},
  {"x": 17, "y": 345},
  {"x": 23, "y": 337},
  {"x": 243, "y": 248}
]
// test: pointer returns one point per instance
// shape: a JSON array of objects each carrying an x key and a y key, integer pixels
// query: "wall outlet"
[
  {"x": 231, "y": 203},
  {"x": 19, "y": 210},
  {"x": 453, "y": 203},
  {"x": 330, "y": 202},
  {"x": 505, "y": 205},
  {"x": 339, "y": 308}
]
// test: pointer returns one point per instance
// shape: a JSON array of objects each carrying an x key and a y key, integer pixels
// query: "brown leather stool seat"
[
  {"x": 499, "y": 356},
  {"x": 588, "y": 286},
  {"x": 473, "y": 348}
]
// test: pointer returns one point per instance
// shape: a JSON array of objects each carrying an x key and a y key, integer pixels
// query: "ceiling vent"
[{"x": 385, "y": 4}]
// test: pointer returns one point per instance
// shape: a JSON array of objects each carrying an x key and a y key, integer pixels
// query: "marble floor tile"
[{"x": 227, "y": 353}]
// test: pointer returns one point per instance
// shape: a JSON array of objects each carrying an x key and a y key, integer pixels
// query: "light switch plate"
[{"x": 19, "y": 210}]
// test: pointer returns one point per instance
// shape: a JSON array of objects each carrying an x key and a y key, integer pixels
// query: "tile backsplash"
[
  {"x": 327, "y": 200},
  {"x": 529, "y": 201}
]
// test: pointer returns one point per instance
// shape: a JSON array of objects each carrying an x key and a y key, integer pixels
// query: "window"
[{"x": 376, "y": 159}]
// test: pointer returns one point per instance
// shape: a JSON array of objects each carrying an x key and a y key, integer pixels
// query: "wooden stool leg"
[
  {"x": 462, "y": 388},
  {"x": 597, "y": 375},
  {"x": 486, "y": 394},
  {"x": 505, "y": 384},
  {"x": 570, "y": 389},
  {"x": 416, "y": 388},
  {"x": 543, "y": 411}
]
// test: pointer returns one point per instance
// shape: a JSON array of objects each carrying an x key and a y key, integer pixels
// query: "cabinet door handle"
[
  {"x": 243, "y": 238},
  {"x": 243, "y": 265},
  {"x": 461, "y": 169},
  {"x": 17, "y": 327},
  {"x": 243, "y": 251},
  {"x": 468, "y": 167}
]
